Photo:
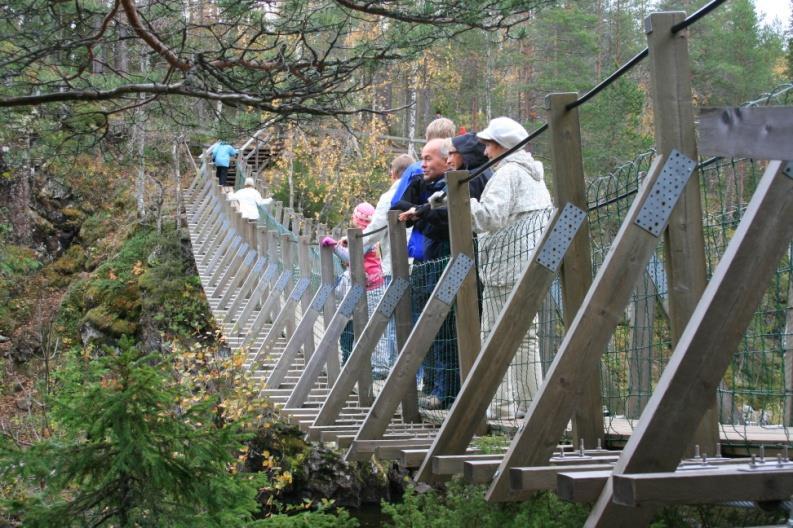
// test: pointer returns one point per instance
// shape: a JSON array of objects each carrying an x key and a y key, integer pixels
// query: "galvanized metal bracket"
[
  {"x": 561, "y": 236},
  {"x": 454, "y": 277},
  {"x": 300, "y": 288},
  {"x": 670, "y": 184},
  {"x": 283, "y": 281},
  {"x": 392, "y": 296},
  {"x": 321, "y": 297},
  {"x": 351, "y": 300}
]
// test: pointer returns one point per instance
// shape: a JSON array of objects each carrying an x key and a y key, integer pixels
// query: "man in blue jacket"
[{"x": 222, "y": 153}]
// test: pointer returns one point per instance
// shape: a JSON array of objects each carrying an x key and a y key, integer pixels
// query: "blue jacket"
[
  {"x": 430, "y": 238},
  {"x": 222, "y": 154}
]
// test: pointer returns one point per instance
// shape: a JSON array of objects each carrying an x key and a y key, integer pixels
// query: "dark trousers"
[
  {"x": 441, "y": 364},
  {"x": 222, "y": 174}
]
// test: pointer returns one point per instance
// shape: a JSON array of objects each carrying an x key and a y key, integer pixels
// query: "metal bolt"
[
  {"x": 762, "y": 454},
  {"x": 599, "y": 444},
  {"x": 785, "y": 452},
  {"x": 754, "y": 461},
  {"x": 718, "y": 449},
  {"x": 696, "y": 451},
  {"x": 581, "y": 447},
  {"x": 779, "y": 459}
]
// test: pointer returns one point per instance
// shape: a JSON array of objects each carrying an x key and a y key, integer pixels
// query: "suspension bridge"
[{"x": 659, "y": 297}]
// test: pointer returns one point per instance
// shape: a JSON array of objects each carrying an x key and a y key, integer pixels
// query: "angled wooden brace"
[
  {"x": 241, "y": 276},
  {"x": 481, "y": 384},
  {"x": 403, "y": 374},
  {"x": 304, "y": 328},
  {"x": 248, "y": 285},
  {"x": 223, "y": 264},
  {"x": 300, "y": 289},
  {"x": 267, "y": 307},
  {"x": 361, "y": 355},
  {"x": 580, "y": 352},
  {"x": 327, "y": 351},
  {"x": 705, "y": 349},
  {"x": 258, "y": 296},
  {"x": 244, "y": 251}
]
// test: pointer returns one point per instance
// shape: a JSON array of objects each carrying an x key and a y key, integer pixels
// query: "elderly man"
[{"x": 441, "y": 367}]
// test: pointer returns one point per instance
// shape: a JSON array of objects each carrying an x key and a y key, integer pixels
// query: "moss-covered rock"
[{"x": 106, "y": 321}]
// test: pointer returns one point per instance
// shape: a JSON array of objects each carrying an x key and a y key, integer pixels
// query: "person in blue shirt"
[{"x": 222, "y": 153}]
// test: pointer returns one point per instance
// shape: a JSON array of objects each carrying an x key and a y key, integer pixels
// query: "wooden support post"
[
  {"x": 576, "y": 271},
  {"x": 642, "y": 317},
  {"x": 361, "y": 313},
  {"x": 586, "y": 339},
  {"x": 707, "y": 343},
  {"x": 304, "y": 263},
  {"x": 787, "y": 349},
  {"x": 517, "y": 314},
  {"x": 403, "y": 318},
  {"x": 262, "y": 239},
  {"x": 328, "y": 277},
  {"x": 684, "y": 246},
  {"x": 287, "y": 260},
  {"x": 467, "y": 323},
  {"x": 403, "y": 375}
]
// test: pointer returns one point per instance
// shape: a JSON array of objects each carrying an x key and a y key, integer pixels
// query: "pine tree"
[{"x": 125, "y": 453}]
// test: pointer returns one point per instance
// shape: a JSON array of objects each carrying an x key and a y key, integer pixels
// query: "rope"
[{"x": 370, "y": 233}]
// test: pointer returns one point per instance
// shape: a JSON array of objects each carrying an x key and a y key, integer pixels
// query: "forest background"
[{"x": 101, "y": 103}]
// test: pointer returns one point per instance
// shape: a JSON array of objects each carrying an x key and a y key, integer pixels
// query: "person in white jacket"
[
  {"x": 249, "y": 200},
  {"x": 514, "y": 206},
  {"x": 381, "y": 365}
]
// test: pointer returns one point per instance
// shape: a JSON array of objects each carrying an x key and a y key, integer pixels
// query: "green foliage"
[
  {"x": 341, "y": 519},
  {"x": 464, "y": 506},
  {"x": 128, "y": 450},
  {"x": 16, "y": 263},
  {"x": 493, "y": 443},
  {"x": 715, "y": 517}
]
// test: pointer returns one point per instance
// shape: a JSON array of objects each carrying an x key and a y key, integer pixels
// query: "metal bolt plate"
[
  {"x": 321, "y": 297},
  {"x": 300, "y": 288},
  {"x": 558, "y": 241},
  {"x": 283, "y": 280},
  {"x": 392, "y": 296},
  {"x": 788, "y": 170},
  {"x": 269, "y": 274},
  {"x": 654, "y": 214},
  {"x": 453, "y": 278},
  {"x": 351, "y": 300}
]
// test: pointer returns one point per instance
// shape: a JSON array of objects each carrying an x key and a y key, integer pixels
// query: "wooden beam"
[
  {"x": 709, "y": 340},
  {"x": 454, "y": 464},
  {"x": 581, "y": 487},
  {"x": 480, "y": 471},
  {"x": 764, "y": 482},
  {"x": 544, "y": 477},
  {"x": 467, "y": 322},
  {"x": 403, "y": 375},
  {"x": 684, "y": 241},
  {"x": 576, "y": 270},
  {"x": 360, "y": 314},
  {"x": 759, "y": 132},
  {"x": 403, "y": 318},
  {"x": 517, "y": 314},
  {"x": 579, "y": 355}
]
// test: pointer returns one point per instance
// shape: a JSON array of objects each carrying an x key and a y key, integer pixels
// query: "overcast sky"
[{"x": 770, "y": 9}]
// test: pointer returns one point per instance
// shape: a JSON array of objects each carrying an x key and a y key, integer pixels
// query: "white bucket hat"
[
  {"x": 249, "y": 182},
  {"x": 504, "y": 131}
]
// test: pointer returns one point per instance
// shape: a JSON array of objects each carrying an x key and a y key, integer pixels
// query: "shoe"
[
  {"x": 379, "y": 375},
  {"x": 431, "y": 403},
  {"x": 520, "y": 415}
]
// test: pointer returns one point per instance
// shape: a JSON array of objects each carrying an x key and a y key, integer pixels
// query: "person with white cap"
[
  {"x": 515, "y": 192},
  {"x": 249, "y": 200}
]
